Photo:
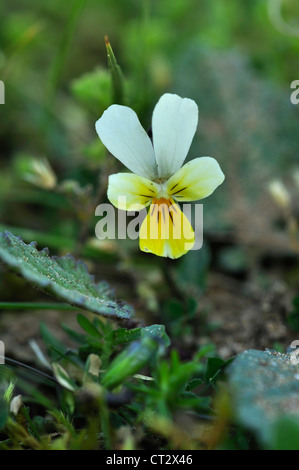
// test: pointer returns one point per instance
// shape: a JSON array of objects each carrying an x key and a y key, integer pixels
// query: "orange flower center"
[{"x": 161, "y": 201}]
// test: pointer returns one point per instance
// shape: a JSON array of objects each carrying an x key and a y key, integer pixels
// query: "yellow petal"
[
  {"x": 128, "y": 191},
  {"x": 166, "y": 231},
  {"x": 197, "y": 179}
]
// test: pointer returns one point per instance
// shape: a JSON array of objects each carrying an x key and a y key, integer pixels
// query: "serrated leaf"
[
  {"x": 265, "y": 390},
  {"x": 64, "y": 277}
]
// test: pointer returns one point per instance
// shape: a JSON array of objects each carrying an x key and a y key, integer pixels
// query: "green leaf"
[
  {"x": 87, "y": 326},
  {"x": 213, "y": 368},
  {"x": 80, "y": 338},
  {"x": 94, "y": 89},
  {"x": 264, "y": 387},
  {"x": 3, "y": 412},
  {"x": 130, "y": 361},
  {"x": 194, "y": 383},
  {"x": 285, "y": 434},
  {"x": 122, "y": 335},
  {"x": 34, "y": 306},
  {"x": 182, "y": 373},
  {"x": 57, "y": 348},
  {"x": 65, "y": 278},
  {"x": 9, "y": 391},
  {"x": 63, "y": 377},
  {"x": 205, "y": 350},
  {"x": 116, "y": 74},
  {"x": 157, "y": 332},
  {"x": 191, "y": 400}
]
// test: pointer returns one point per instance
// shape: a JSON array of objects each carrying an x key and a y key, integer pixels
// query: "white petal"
[
  {"x": 121, "y": 132},
  {"x": 128, "y": 191},
  {"x": 174, "y": 124},
  {"x": 197, "y": 179}
]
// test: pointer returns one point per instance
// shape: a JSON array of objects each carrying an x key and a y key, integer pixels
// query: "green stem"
[
  {"x": 30, "y": 423},
  {"x": 34, "y": 306},
  {"x": 16, "y": 363}
]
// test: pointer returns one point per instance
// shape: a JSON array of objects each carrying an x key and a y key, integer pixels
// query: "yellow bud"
[
  {"x": 279, "y": 193},
  {"x": 41, "y": 174},
  {"x": 94, "y": 364},
  {"x": 15, "y": 405}
]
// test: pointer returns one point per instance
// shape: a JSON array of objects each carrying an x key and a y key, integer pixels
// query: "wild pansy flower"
[{"x": 158, "y": 178}]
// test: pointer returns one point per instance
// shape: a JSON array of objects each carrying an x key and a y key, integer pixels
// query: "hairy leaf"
[
  {"x": 64, "y": 277},
  {"x": 265, "y": 390}
]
